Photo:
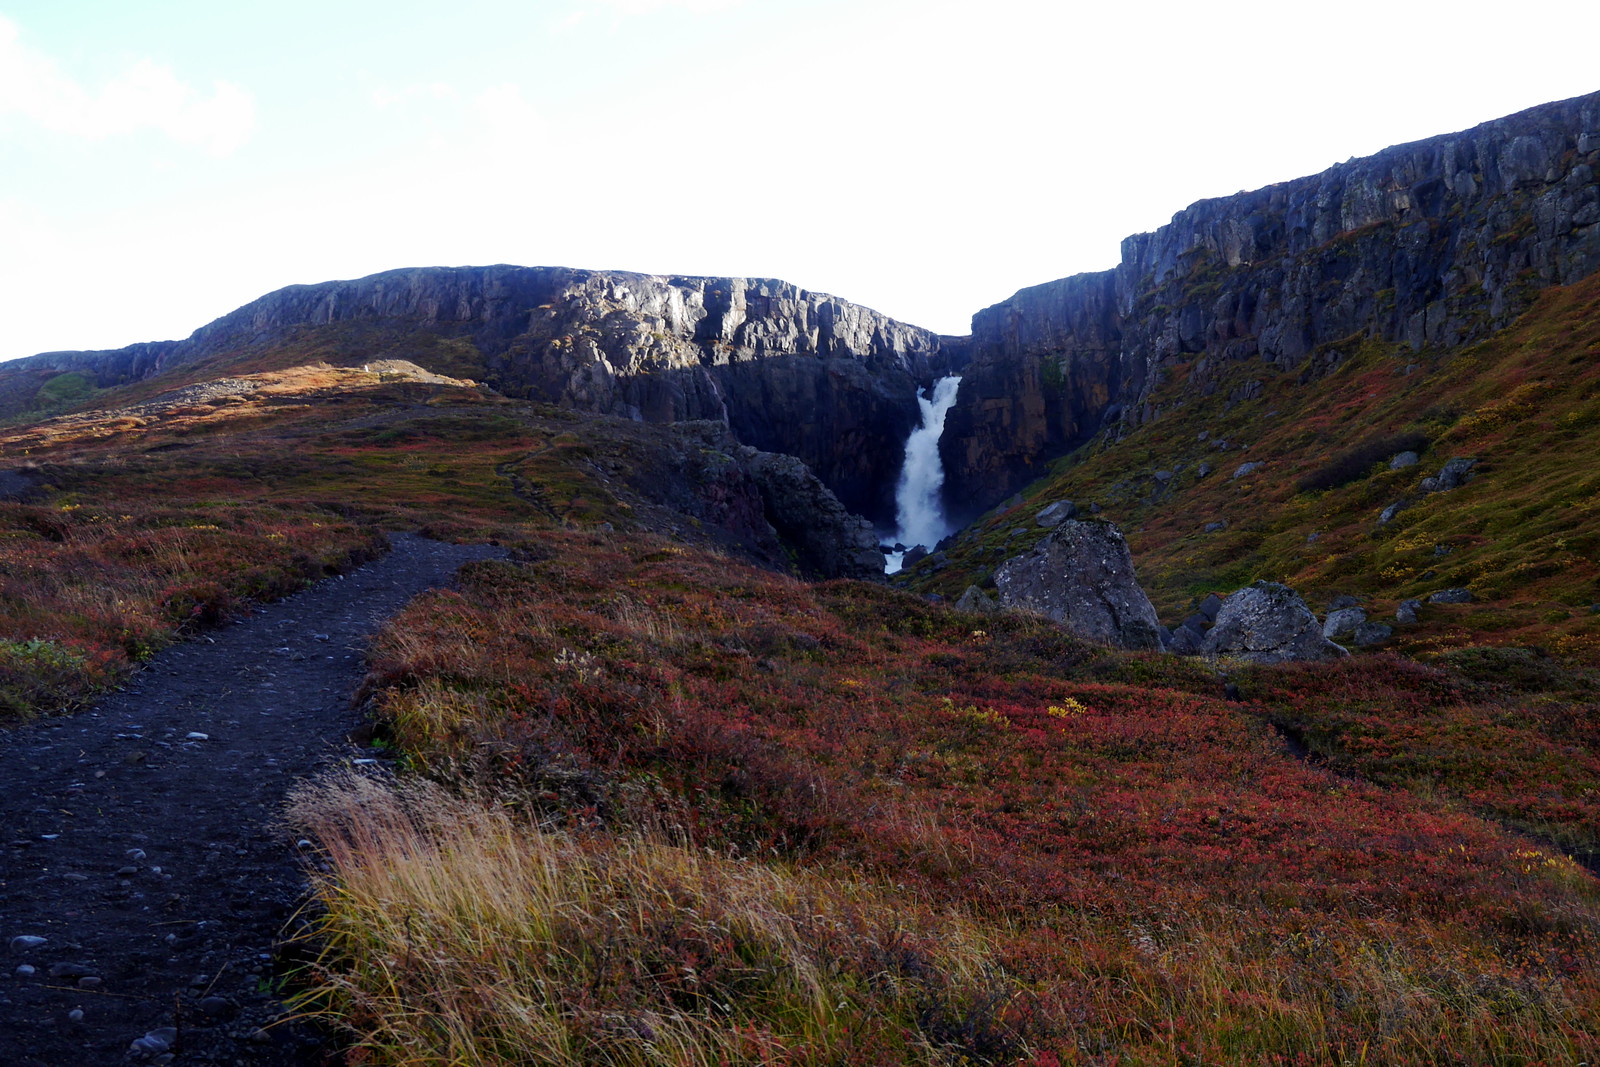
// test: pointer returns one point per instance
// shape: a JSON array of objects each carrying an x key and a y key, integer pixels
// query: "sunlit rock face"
[
  {"x": 1430, "y": 244},
  {"x": 788, "y": 370}
]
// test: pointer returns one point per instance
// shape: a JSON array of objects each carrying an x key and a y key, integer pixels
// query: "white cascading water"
[{"x": 919, "y": 508}]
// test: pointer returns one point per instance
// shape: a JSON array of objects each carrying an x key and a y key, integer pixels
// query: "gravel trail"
[{"x": 143, "y": 880}]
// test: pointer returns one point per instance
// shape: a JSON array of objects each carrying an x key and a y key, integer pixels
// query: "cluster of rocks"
[
  {"x": 1081, "y": 576},
  {"x": 1347, "y": 621},
  {"x": 1454, "y": 474}
]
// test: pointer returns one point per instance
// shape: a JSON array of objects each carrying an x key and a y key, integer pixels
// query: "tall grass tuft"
[{"x": 452, "y": 932}]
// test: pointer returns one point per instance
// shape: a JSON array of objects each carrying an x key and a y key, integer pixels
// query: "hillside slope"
[
  {"x": 1275, "y": 476},
  {"x": 684, "y": 808}
]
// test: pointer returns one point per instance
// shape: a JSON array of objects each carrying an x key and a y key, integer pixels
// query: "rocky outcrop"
[
  {"x": 1434, "y": 243},
  {"x": 1081, "y": 575},
  {"x": 767, "y": 508},
  {"x": 787, "y": 369},
  {"x": 1268, "y": 623},
  {"x": 1046, "y": 371},
  {"x": 827, "y": 540}
]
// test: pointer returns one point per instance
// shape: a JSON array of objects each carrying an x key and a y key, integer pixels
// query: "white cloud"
[{"x": 145, "y": 96}]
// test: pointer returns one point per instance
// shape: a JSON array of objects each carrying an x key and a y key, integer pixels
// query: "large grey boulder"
[
  {"x": 1268, "y": 623},
  {"x": 1081, "y": 575}
]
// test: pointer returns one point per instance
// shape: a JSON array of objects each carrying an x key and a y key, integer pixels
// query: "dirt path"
[{"x": 137, "y": 839}]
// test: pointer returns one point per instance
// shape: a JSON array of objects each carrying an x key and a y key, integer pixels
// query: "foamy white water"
[{"x": 919, "y": 508}]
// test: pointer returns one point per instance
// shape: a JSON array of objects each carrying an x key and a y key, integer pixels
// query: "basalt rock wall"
[
  {"x": 787, "y": 369},
  {"x": 1430, "y": 244}
]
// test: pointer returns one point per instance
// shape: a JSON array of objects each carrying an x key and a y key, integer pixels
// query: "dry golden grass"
[{"x": 453, "y": 933}]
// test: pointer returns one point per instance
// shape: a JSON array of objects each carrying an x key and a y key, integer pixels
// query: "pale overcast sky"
[{"x": 164, "y": 162}]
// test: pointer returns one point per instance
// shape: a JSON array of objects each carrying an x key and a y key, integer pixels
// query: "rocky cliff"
[
  {"x": 1431, "y": 244},
  {"x": 788, "y": 370}
]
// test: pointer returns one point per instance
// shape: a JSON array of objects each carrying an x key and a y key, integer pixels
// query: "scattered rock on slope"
[
  {"x": 1342, "y": 622},
  {"x": 1057, "y": 513},
  {"x": 1268, "y": 623},
  {"x": 1081, "y": 575},
  {"x": 1452, "y": 475}
]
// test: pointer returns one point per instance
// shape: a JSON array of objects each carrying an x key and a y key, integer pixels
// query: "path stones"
[
  {"x": 155, "y": 1041},
  {"x": 25, "y": 942},
  {"x": 69, "y": 774}
]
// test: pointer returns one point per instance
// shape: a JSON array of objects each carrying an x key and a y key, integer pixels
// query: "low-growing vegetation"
[
  {"x": 1145, "y": 870},
  {"x": 654, "y": 805}
]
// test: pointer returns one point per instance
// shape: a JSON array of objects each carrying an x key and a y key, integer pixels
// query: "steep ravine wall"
[
  {"x": 788, "y": 370},
  {"x": 1430, "y": 244}
]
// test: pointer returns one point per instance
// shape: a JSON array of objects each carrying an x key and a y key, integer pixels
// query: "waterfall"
[{"x": 919, "y": 509}]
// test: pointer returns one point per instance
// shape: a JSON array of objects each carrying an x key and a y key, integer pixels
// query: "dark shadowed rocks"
[
  {"x": 18, "y": 485},
  {"x": 1268, "y": 623},
  {"x": 1454, "y": 474},
  {"x": 828, "y": 541},
  {"x": 1369, "y": 634},
  {"x": 1081, "y": 575},
  {"x": 1451, "y": 596}
]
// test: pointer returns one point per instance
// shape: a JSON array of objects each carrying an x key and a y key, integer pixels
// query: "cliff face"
[
  {"x": 1435, "y": 243},
  {"x": 788, "y": 370}
]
